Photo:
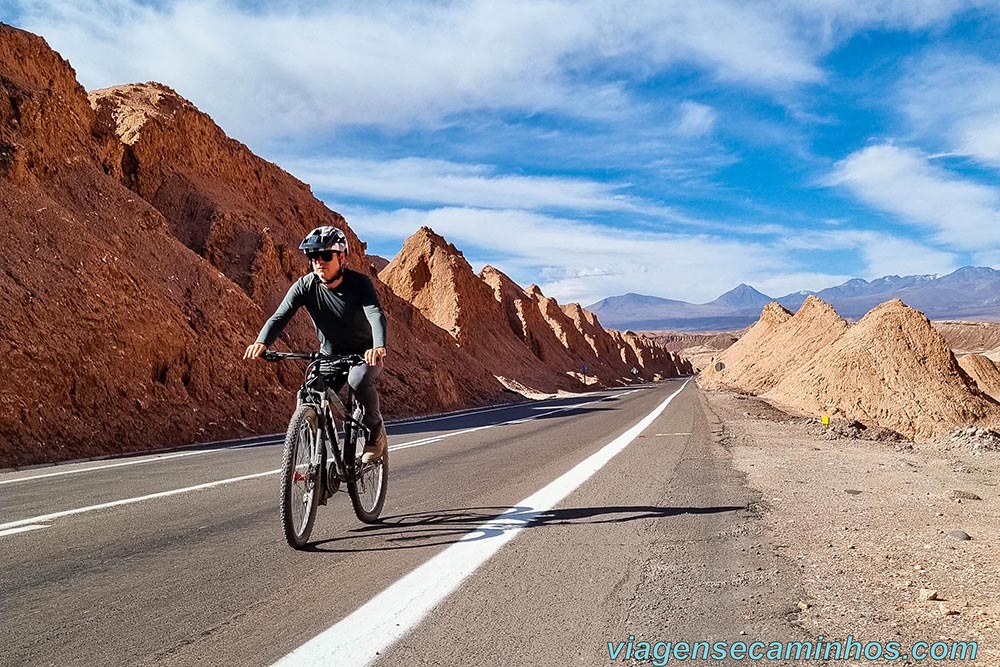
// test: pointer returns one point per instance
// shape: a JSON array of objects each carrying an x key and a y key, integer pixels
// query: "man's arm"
[
  {"x": 277, "y": 322},
  {"x": 376, "y": 320}
]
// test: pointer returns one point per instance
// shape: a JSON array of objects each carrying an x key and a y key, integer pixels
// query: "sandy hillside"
[
  {"x": 741, "y": 355},
  {"x": 891, "y": 369},
  {"x": 785, "y": 347},
  {"x": 984, "y": 372}
]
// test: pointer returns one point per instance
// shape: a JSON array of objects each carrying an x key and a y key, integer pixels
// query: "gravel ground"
[{"x": 871, "y": 519}]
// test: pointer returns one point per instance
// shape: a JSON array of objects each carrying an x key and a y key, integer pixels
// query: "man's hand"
[
  {"x": 254, "y": 351},
  {"x": 374, "y": 356}
]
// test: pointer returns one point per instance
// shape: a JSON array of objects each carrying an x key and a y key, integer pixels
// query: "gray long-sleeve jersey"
[{"x": 348, "y": 318}]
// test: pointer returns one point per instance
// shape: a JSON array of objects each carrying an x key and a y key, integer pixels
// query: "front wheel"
[
  {"x": 301, "y": 481},
  {"x": 367, "y": 486}
]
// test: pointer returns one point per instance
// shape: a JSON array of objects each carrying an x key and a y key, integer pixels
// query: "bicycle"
[{"x": 313, "y": 465}]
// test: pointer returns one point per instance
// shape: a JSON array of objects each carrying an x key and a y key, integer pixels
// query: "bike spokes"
[{"x": 300, "y": 476}]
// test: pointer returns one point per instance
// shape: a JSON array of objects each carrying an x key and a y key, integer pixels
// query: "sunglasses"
[{"x": 325, "y": 255}]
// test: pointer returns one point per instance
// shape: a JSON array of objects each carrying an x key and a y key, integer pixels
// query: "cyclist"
[{"x": 348, "y": 318}]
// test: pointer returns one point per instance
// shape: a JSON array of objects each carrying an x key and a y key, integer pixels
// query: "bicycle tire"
[
  {"x": 368, "y": 486},
  {"x": 300, "y": 496}
]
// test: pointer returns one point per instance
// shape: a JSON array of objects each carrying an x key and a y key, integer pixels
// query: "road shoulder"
[{"x": 867, "y": 525}]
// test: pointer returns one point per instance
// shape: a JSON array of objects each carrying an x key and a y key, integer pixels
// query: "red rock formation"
[
  {"x": 247, "y": 216},
  {"x": 527, "y": 323},
  {"x": 597, "y": 338},
  {"x": 115, "y": 337},
  {"x": 572, "y": 339},
  {"x": 433, "y": 275},
  {"x": 118, "y": 336},
  {"x": 377, "y": 263},
  {"x": 654, "y": 360}
]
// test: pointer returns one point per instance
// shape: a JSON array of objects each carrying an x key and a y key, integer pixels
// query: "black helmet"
[{"x": 325, "y": 238}]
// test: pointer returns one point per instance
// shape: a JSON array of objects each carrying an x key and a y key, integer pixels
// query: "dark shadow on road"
[{"x": 444, "y": 527}]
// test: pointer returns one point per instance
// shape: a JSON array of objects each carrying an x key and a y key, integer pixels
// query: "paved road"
[{"x": 656, "y": 541}]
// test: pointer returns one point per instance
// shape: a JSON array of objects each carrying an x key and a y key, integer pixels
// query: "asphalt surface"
[{"x": 661, "y": 542}]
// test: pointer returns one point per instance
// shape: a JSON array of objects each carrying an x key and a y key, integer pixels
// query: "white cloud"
[
  {"x": 961, "y": 213},
  {"x": 695, "y": 119},
  {"x": 473, "y": 185},
  {"x": 955, "y": 98},
  {"x": 885, "y": 255},
  {"x": 586, "y": 262},
  {"x": 293, "y": 71}
]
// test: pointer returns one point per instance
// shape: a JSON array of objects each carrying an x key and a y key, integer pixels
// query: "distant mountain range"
[{"x": 968, "y": 293}]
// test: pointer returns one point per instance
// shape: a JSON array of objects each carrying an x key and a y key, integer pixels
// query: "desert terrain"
[
  {"x": 891, "y": 540},
  {"x": 889, "y": 510}
]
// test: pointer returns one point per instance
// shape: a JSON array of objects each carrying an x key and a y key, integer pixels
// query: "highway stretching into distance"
[{"x": 530, "y": 534}]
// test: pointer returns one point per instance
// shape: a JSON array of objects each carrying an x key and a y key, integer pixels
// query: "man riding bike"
[{"x": 345, "y": 310}]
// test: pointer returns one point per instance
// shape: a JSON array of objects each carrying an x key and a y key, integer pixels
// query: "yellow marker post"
[{"x": 825, "y": 419}]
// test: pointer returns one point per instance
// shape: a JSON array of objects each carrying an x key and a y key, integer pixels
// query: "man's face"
[{"x": 327, "y": 264}]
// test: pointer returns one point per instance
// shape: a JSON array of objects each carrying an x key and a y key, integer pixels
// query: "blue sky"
[{"x": 596, "y": 148}]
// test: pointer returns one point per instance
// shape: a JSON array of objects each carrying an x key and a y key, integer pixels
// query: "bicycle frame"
[{"x": 331, "y": 409}]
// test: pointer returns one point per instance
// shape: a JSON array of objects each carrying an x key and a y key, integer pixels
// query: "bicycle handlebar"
[{"x": 350, "y": 359}]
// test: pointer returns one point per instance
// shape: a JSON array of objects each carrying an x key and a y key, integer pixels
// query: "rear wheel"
[
  {"x": 300, "y": 481},
  {"x": 367, "y": 487}
]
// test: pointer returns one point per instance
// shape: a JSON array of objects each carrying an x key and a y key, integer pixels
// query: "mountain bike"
[{"x": 314, "y": 465}]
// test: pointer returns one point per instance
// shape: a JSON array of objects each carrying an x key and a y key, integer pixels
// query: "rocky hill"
[
  {"x": 528, "y": 324},
  {"x": 699, "y": 349},
  {"x": 779, "y": 349},
  {"x": 434, "y": 276},
  {"x": 891, "y": 369},
  {"x": 965, "y": 337},
  {"x": 506, "y": 327},
  {"x": 729, "y": 367}
]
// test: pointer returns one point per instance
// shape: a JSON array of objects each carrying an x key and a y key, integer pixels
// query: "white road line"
[
  {"x": 163, "y": 457},
  {"x": 373, "y": 627},
  {"x": 129, "y": 501},
  {"x": 22, "y": 529}
]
